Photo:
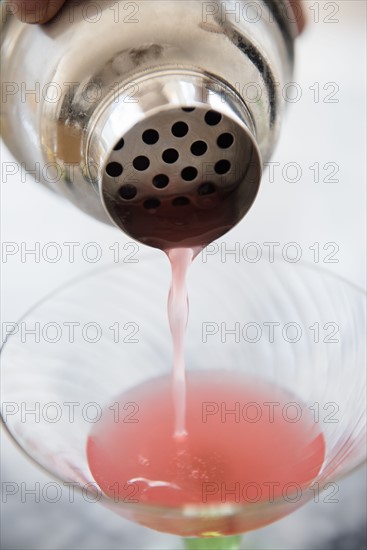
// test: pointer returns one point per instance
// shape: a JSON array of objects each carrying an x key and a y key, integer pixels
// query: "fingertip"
[
  {"x": 53, "y": 7},
  {"x": 298, "y": 9},
  {"x": 34, "y": 11}
]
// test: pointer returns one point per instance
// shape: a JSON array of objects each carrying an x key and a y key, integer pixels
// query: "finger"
[
  {"x": 299, "y": 13},
  {"x": 35, "y": 11}
]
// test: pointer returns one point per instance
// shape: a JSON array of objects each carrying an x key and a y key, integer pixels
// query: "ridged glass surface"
[{"x": 254, "y": 318}]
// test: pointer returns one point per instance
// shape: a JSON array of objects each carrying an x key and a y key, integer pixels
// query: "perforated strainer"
[{"x": 179, "y": 165}]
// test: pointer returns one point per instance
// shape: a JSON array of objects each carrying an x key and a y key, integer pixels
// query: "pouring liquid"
[
  {"x": 206, "y": 437},
  {"x": 178, "y": 312}
]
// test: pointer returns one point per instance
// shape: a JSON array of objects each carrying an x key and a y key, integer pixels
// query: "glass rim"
[{"x": 78, "y": 278}]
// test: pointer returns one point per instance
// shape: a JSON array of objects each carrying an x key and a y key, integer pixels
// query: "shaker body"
[{"x": 58, "y": 79}]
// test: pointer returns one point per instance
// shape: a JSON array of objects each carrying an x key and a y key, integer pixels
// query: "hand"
[
  {"x": 35, "y": 11},
  {"x": 41, "y": 11}
]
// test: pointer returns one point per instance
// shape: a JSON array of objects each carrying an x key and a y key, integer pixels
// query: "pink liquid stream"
[{"x": 178, "y": 313}]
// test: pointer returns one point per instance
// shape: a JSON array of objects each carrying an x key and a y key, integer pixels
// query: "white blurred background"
[{"x": 305, "y": 212}]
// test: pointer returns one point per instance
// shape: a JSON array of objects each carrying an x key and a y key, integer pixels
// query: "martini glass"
[{"x": 106, "y": 333}]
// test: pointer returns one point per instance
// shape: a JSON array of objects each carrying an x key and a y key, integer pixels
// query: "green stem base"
[{"x": 213, "y": 543}]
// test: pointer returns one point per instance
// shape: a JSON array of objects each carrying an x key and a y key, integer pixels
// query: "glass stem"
[{"x": 213, "y": 543}]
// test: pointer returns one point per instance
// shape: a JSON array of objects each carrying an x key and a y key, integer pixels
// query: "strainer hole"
[
  {"x": 189, "y": 173},
  {"x": 128, "y": 192},
  {"x": 212, "y": 118},
  {"x": 141, "y": 163},
  {"x": 170, "y": 156},
  {"x": 207, "y": 188},
  {"x": 150, "y": 137},
  {"x": 222, "y": 167},
  {"x": 180, "y": 129},
  {"x": 160, "y": 181},
  {"x": 180, "y": 201},
  {"x": 188, "y": 109},
  {"x": 114, "y": 169},
  {"x": 119, "y": 145},
  {"x": 224, "y": 141},
  {"x": 199, "y": 148},
  {"x": 152, "y": 204}
]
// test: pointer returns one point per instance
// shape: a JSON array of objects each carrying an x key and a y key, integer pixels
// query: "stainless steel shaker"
[{"x": 153, "y": 115}]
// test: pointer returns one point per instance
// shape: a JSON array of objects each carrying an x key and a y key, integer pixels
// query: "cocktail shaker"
[{"x": 154, "y": 115}]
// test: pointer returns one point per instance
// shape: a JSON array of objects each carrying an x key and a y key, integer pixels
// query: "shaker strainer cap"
[{"x": 176, "y": 158}]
